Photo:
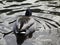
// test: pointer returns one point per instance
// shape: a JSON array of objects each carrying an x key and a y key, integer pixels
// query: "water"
[{"x": 47, "y": 32}]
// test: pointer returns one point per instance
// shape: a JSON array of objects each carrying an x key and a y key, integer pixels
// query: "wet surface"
[{"x": 48, "y": 29}]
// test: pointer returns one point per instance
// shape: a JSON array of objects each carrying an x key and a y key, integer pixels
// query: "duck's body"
[
  {"x": 23, "y": 24},
  {"x": 24, "y": 27}
]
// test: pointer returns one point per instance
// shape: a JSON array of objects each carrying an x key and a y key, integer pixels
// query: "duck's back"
[{"x": 24, "y": 20}]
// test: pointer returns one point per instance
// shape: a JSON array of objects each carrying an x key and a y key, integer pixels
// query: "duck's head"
[{"x": 28, "y": 12}]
